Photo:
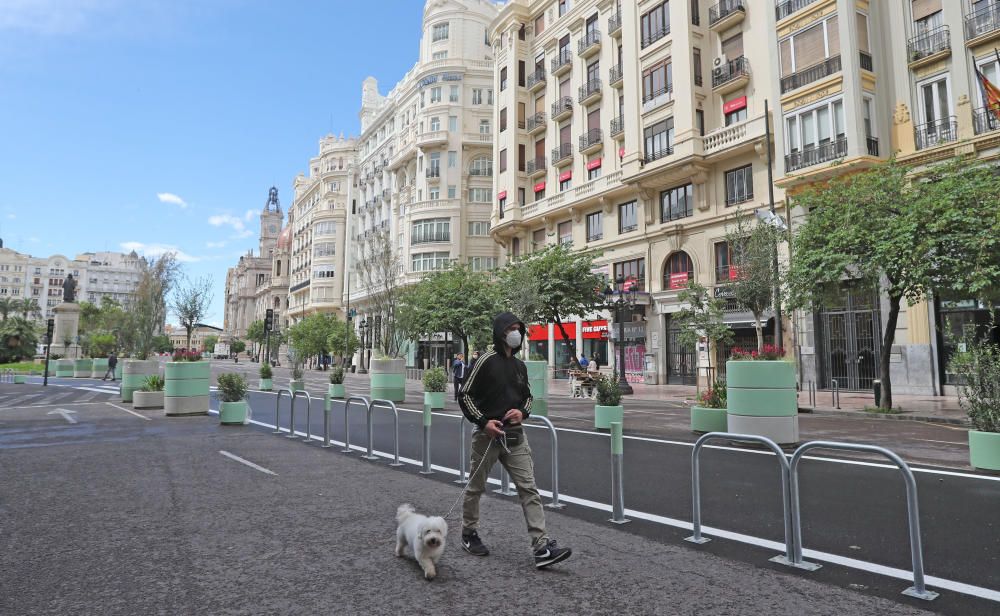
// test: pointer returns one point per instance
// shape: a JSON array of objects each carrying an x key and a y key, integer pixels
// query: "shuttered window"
[
  {"x": 732, "y": 47},
  {"x": 923, "y": 8},
  {"x": 808, "y": 46},
  {"x": 833, "y": 36},
  {"x": 862, "y": 21},
  {"x": 594, "y": 119}
]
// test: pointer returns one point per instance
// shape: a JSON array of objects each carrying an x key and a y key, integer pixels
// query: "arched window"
[
  {"x": 481, "y": 166},
  {"x": 678, "y": 271}
]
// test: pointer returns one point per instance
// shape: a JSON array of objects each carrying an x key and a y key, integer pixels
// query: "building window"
[
  {"x": 484, "y": 127},
  {"x": 452, "y": 191},
  {"x": 520, "y": 73},
  {"x": 439, "y": 32},
  {"x": 634, "y": 273},
  {"x": 436, "y": 95},
  {"x": 452, "y": 159},
  {"x": 434, "y": 193},
  {"x": 503, "y": 160},
  {"x": 659, "y": 139},
  {"x": 515, "y": 246},
  {"x": 502, "y": 205},
  {"x": 723, "y": 260},
  {"x": 627, "y": 217},
  {"x": 503, "y": 79},
  {"x": 563, "y": 7},
  {"x": 325, "y": 249},
  {"x": 321, "y": 228},
  {"x": 593, "y": 174},
  {"x": 479, "y": 228},
  {"x": 696, "y": 53},
  {"x": 481, "y": 166},
  {"x": 439, "y": 55},
  {"x": 429, "y": 261},
  {"x": 678, "y": 271},
  {"x": 537, "y": 239},
  {"x": 453, "y": 94},
  {"x": 482, "y": 264},
  {"x": 739, "y": 185},
  {"x": 565, "y": 184},
  {"x": 699, "y": 121},
  {"x": 477, "y": 96},
  {"x": 655, "y": 24},
  {"x": 565, "y": 233},
  {"x": 808, "y": 47},
  {"x": 657, "y": 81},
  {"x": 595, "y": 226},
  {"x": 815, "y": 127},
  {"x": 677, "y": 203},
  {"x": 503, "y": 119},
  {"x": 736, "y": 116},
  {"x": 540, "y": 24},
  {"x": 480, "y": 195},
  {"x": 435, "y": 123},
  {"x": 431, "y": 230}
]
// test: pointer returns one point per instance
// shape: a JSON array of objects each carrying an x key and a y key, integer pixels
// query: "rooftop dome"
[{"x": 285, "y": 238}]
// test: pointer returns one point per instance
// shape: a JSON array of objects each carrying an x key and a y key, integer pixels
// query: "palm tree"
[
  {"x": 28, "y": 307},
  {"x": 7, "y": 306}
]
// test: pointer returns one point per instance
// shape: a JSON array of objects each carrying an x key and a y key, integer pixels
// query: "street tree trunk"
[
  {"x": 888, "y": 338},
  {"x": 760, "y": 332},
  {"x": 572, "y": 342}
]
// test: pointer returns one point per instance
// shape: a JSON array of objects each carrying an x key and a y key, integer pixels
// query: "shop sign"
[
  {"x": 595, "y": 330},
  {"x": 635, "y": 331},
  {"x": 735, "y": 105},
  {"x": 566, "y": 175},
  {"x": 538, "y": 332},
  {"x": 724, "y": 291},
  {"x": 539, "y": 187},
  {"x": 502, "y": 195},
  {"x": 678, "y": 281},
  {"x": 594, "y": 164}
]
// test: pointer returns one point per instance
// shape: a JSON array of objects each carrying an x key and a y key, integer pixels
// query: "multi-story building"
[
  {"x": 636, "y": 130},
  {"x": 109, "y": 275},
  {"x": 252, "y": 272},
  {"x": 425, "y": 158},
  {"x": 201, "y": 331}
]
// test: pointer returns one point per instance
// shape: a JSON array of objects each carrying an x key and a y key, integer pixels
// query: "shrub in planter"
[
  {"x": 608, "y": 408},
  {"x": 762, "y": 397},
  {"x": 336, "y": 389},
  {"x": 297, "y": 384},
  {"x": 978, "y": 370},
  {"x": 265, "y": 377},
  {"x": 188, "y": 385},
  {"x": 232, "y": 392},
  {"x": 709, "y": 412},
  {"x": 150, "y": 393},
  {"x": 435, "y": 385},
  {"x": 153, "y": 382}
]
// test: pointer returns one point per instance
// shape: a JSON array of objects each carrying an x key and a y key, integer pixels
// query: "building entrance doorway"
[
  {"x": 851, "y": 336},
  {"x": 680, "y": 358}
]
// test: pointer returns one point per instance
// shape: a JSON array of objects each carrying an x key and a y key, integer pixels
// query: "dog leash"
[{"x": 502, "y": 442}]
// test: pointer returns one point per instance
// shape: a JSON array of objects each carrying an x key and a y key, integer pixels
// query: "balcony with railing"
[
  {"x": 814, "y": 155},
  {"x": 480, "y": 138},
  {"x": 589, "y": 44},
  {"x": 985, "y": 120},
  {"x": 786, "y": 8},
  {"x": 562, "y": 108},
  {"x": 433, "y": 172},
  {"x": 982, "y": 24},
  {"x": 929, "y": 46},
  {"x": 591, "y": 141},
  {"x": 732, "y": 75},
  {"x": 562, "y": 154},
  {"x": 590, "y": 91},
  {"x": 871, "y": 146},
  {"x": 866, "y": 61},
  {"x": 536, "y": 123},
  {"x": 536, "y": 79},
  {"x": 655, "y": 35},
  {"x": 618, "y": 127},
  {"x": 660, "y": 96},
  {"x": 937, "y": 132},
  {"x": 726, "y": 14},
  {"x": 562, "y": 63},
  {"x": 615, "y": 23},
  {"x": 432, "y": 138},
  {"x": 535, "y": 167},
  {"x": 658, "y": 153},
  {"x": 811, "y": 74},
  {"x": 615, "y": 75}
]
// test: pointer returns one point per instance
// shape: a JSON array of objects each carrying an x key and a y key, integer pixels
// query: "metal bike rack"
[
  {"x": 291, "y": 425},
  {"x": 835, "y": 387},
  {"x": 277, "y": 407},
  {"x": 347, "y": 423},
  {"x": 697, "y": 537},
  {"x": 918, "y": 590},
  {"x": 555, "y": 504},
  {"x": 395, "y": 437},
  {"x": 617, "y": 475}
]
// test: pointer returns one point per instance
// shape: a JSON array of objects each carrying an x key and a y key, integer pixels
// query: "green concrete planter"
[
  {"x": 19, "y": 379},
  {"x": 538, "y": 382},
  {"x": 388, "y": 379},
  {"x": 434, "y": 399},
  {"x": 147, "y": 399},
  {"x": 762, "y": 400},
  {"x": 82, "y": 368},
  {"x": 64, "y": 368},
  {"x": 187, "y": 388},
  {"x": 134, "y": 372},
  {"x": 604, "y": 415},
  {"x": 336, "y": 390},
  {"x": 708, "y": 420},
  {"x": 984, "y": 450},
  {"x": 296, "y": 385},
  {"x": 264, "y": 384},
  {"x": 99, "y": 368},
  {"x": 233, "y": 413}
]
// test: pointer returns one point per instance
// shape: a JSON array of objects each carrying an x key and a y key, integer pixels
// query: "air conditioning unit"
[{"x": 720, "y": 61}]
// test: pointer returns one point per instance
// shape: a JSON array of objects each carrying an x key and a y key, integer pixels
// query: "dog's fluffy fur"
[{"x": 425, "y": 536}]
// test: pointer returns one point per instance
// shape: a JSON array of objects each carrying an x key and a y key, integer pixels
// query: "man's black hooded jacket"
[{"x": 497, "y": 383}]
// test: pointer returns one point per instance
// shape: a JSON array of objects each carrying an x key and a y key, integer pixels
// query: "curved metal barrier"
[
  {"x": 395, "y": 437},
  {"x": 697, "y": 537},
  {"x": 291, "y": 423},
  {"x": 555, "y": 504},
  {"x": 347, "y": 423},
  {"x": 277, "y": 407},
  {"x": 918, "y": 589}
]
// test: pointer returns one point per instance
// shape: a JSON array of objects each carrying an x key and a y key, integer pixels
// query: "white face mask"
[{"x": 513, "y": 339}]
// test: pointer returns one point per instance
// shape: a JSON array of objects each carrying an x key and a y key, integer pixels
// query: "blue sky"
[{"x": 161, "y": 124}]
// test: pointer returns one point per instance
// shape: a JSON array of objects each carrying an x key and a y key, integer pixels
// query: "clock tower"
[{"x": 270, "y": 223}]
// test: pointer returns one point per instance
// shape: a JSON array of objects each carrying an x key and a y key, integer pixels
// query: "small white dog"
[{"x": 426, "y": 536}]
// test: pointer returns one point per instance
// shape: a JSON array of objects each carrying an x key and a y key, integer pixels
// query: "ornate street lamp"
[
  {"x": 625, "y": 297},
  {"x": 363, "y": 327}
]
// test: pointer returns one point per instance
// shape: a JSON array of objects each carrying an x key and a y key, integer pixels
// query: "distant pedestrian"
[
  {"x": 583, "y": 361},
  {"x": 112, "y": 364},
  {"x": 592, "y": 367},
  {"x": 458, "y": 368},
  {"x": 473, "y": 360}
]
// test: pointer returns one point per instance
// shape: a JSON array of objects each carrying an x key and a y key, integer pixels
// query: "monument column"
[{"x": 66, "y": 338}]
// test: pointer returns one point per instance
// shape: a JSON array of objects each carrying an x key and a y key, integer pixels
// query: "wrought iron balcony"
[
  {"x": 562, "y": 62},
  {"x": 536, "y": 122},
  {"x": 589, "y": 90},
  {"x": 784, "y": 9},
  {"x": 723, "y": 10},
  {"x": 810, "y": 74},
  {"x": 617, "y": 126},
  {"x": 590, "y": 43},
  {"x": 982, "y": 22},
  {"x": 561, "y": 153},
  {"x": 562, "y": 108},
  {"x": 730, "y": 71},
  {"x": 871, "y": 143},
  {"x": 535, "y": 79},
  {"x": 615, "y": 23},
  {"x": 655, "y": 35},
  {"x": 536, "y": 166},
  {"x": 984, "y": 120},
  {"x": 935, "y": 133},
  {"x": 928, "y": 43},
  {"x": 866, "y": 61},
  {"x": 667, "y": 89},
  {"x": 616, "y": 74},
  {"x": 434, "y": 172},
  {"x": 482, "y": 171},
  {"x": 657, "y": 154},
  {"x": 591, "y": 140},
  {"x": 814, "y": 155}
]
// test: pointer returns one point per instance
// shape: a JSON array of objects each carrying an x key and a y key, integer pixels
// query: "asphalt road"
[{"x": 125, "y": 512}]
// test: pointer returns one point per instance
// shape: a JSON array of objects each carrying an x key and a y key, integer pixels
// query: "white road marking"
[
  {"x": 37, "y": 406},
  {"x": 852, "y": 563},
  {"x": 928, "y": 440},
  {"x": 129, "y": 411},
  {"x": 66, "y": 414},
  {"x": 247, "y": 462}
]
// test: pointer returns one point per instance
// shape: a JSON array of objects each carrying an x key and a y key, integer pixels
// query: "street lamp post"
[
  {"x": 363, "y": 326},
  {"x": 625, "y": 298}
]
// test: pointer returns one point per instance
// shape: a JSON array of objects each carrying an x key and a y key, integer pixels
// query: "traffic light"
[
  {"x": 49, "y": 328},
  {"x": 269, "y": 320}
]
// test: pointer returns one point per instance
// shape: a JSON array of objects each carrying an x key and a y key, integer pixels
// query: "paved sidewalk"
[{"x": 160, "y": 522}]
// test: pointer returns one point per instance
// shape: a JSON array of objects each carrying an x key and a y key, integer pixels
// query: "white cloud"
[
  {"x": 223, "y": 220},
  {"x": 156, "y": 250},
  {"x": 52, "y": 16},
  {"x": 249, "y": 215},
  {"x": 171, "y": 198},
  {"x": 11, "y": 216},
  {"x": 215, "y": 244}
]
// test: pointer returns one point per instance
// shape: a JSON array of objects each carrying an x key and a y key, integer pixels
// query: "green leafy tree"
[
  {"x": 147, "y": 313},
  {"x": 162, "y": 344},
  {"x": 208, "y": 344},
  {"x": 311, "y": 335},
  {"x": 7, "y": 306},
  {"x": 191, "y": 303},
  {"x": 566, "y": 286},
  {"x": 18, "y": 339},
  {"x": 342, "y": 341},
  {"x": 909, "y": 235},
  {"x": 755, "y": 280},
  {"x": 28, "y": 308},
  {"x": 238, "y": 346},
  {"x": 255, "y": 334},
  {"x": 380, "y": 271},
  {"x": 701, "y": 318},
  {"x": 456, "y": 300},
  {"x": 100, "y": 344}
]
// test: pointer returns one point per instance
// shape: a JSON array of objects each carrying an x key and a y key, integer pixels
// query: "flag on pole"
[{"x": 991, "y": 94}]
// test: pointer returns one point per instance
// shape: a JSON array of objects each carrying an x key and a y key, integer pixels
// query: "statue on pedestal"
[{"x": 69, "y": 289}]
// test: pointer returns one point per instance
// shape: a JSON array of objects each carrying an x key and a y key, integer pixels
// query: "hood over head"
[{"x": 500, "y": 323}]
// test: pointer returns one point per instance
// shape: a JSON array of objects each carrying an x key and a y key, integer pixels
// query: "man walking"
[
  {"x": 458, "y": 373},
  {"x": 112, "y": 364},
  {"x": 496, "y": 398}
]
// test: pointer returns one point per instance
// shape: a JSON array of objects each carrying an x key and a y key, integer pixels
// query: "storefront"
[
  {"x": 961, "y": 321},
  {"x": 546, "y": 342}
]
